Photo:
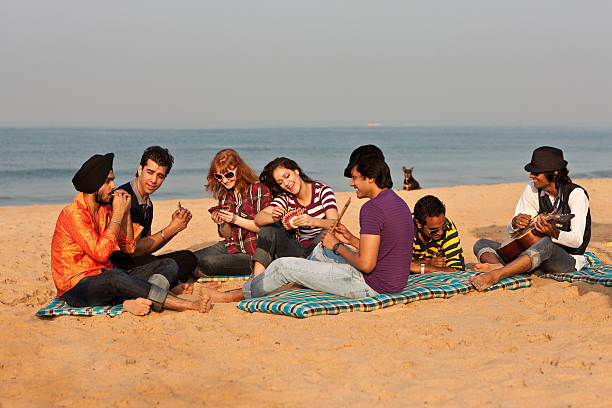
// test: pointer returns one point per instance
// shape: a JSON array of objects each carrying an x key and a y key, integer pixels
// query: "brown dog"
[{"x": 409, "y": 182}]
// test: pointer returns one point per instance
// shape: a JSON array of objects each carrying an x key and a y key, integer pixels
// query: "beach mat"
[
  {"x": 304, "y": 303},
  {"x": 223, "y": 278},
  {"x": 596, "y": 272},
  {"x": 59, "y": 308}
]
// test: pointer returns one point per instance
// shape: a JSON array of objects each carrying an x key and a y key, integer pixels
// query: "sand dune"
[{"x": 548, "y": 345}]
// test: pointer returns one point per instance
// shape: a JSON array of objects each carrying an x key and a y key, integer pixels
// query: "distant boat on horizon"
[{"x": 374, "y": 124}]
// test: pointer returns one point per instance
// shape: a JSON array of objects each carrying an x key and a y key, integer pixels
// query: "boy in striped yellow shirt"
[{"x": 436, "y": 241}]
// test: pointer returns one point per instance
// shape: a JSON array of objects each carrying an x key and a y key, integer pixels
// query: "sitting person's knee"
[
  {"x": 208, "y": 263},
  {"x": 169, "y": 268},
  {"x": 270, "y": 230}
]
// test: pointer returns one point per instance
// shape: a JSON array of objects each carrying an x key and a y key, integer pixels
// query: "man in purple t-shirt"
[{"x": 379, "y": 261}]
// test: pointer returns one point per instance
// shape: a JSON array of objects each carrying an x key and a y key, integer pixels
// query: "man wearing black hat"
[
  {"x": 562, "y": 248},
  {"x": 96, "y": 223}
]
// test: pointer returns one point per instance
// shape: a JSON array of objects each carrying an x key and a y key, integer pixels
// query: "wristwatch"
[{"x": 336, "y": 246}]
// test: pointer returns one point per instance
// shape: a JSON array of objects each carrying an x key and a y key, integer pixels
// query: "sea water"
[{"x": 37, "y": 164}]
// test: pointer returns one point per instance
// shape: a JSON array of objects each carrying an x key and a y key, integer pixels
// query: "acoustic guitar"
[{"x": 524, "y": 238}]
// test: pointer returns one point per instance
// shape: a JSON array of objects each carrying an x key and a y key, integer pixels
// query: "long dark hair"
[
  {"x": 562, "y": 176},
  {"x": 268, "y": 180},
  {"x": 223, "y": 161}
]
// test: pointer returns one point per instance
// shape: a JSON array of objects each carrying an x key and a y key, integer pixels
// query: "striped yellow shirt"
[{"x": 448, "y": 246}]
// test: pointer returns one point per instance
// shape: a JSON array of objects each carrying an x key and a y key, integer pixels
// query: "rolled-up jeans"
[
  {"x": 323, "y": 271},
  {"x": 114, "y": 286},
  {"x": 545, "y": 255},
  {"x": 275, "y": 242}
]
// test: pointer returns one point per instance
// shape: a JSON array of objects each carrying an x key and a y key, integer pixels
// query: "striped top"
[
  {"x": 448, "y": 246},
  {"x": 323, "y": 199}
]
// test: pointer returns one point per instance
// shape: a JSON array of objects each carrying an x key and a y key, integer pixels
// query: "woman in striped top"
[
  {"x": 292, "y": 189},
  {"x": 235, "y": 185}
]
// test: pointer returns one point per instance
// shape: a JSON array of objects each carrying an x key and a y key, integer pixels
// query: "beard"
[{"x": 102, "y": 201}]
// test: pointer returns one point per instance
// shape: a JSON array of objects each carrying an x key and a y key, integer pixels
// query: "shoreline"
[
  {"x": 548, "y": 344},
  {"x": 581, "y": 179}
]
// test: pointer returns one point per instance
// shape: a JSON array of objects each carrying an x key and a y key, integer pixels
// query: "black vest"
[{"x": 546, "y": 206}]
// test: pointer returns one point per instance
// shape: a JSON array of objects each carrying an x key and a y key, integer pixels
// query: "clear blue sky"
[{"x": 260, "y": 63}]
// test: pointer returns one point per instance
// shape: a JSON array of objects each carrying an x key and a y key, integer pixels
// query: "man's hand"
[
  {"x": 546, "y": 228},
  {"x": 329, "y": 240},
  {"x": 180, "y": 219},
  {"x": 438, "y": 262},
  {"x": 344, "y": 235},
  {"x": 121, "y": 202},
  {"x": 521, "y": 221}
]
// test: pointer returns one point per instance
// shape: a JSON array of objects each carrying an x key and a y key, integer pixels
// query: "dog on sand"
[{"x": 409, "y": 182}]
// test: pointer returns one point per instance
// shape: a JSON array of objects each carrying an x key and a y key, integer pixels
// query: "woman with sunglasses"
[
  {"x": 292, "y": 189},
  {"x": 235, "y": 185}
]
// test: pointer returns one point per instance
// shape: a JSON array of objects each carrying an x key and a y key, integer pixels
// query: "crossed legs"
[{"x": 544, "y": 254}]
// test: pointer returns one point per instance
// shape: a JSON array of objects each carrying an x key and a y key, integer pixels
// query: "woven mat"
[
  {"x": 596, "y": 272},
  {"x": 58, "y": 307},
  {"x": 306, "y": 303}
]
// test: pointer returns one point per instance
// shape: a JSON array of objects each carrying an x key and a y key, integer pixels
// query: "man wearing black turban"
[{"x": 88, "y": 230}]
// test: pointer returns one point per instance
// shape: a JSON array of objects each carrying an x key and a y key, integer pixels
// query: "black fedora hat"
[{"x": 546, "y": 158}]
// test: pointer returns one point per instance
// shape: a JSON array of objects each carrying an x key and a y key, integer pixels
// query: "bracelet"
[
  {"x": 336, "y": 246},
  {"x": 422, "y": 268},
  {"x": 117, "y": 222},
  {"x": 162, "y": 234}
]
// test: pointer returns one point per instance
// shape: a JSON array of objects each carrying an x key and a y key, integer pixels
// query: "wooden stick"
[{"x": 331, "y": 231}]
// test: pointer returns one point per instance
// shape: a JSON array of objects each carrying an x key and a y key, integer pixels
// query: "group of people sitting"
[{"x": 102, "y": 248}]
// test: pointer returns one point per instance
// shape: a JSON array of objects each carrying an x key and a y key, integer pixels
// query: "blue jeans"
[
  {"x": 545, "y": 255},
  {"x": 214, "y": 260},
  {"x": 323, "y": 271},
  {"x": 113, "y": 286}
]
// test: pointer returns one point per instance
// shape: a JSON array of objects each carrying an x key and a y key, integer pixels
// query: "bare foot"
[
  {"x": 487, "y": 267},
  {"x": 217, "y": 296},
  {"x": 204, "y": 303},
  {"x": 138, "y": 307},
  {"x": 483, "y": 281},
  {"x": 210, "y": 285},
  {"x": 257, "y": 269},
  {"x": 182, "y": 289}
]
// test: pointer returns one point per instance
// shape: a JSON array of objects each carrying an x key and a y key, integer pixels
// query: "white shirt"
[{"x": 579, "y": 206}]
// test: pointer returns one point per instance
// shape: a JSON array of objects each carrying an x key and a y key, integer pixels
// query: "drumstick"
[{"x": 331, "y": 231}]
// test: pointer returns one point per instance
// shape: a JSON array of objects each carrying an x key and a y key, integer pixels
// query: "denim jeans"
[
  {"x": 275, "y": 242},
  {"x": 214, "y": 260},
  {"x": 186, "y": 261},
  {"x": 323, "y": 271},
  {"x": 113, "y": 286},
  {"x": 545, "y": 255}
]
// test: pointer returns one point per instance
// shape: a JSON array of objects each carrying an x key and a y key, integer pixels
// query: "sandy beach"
[{"x": 549, "y": 345}]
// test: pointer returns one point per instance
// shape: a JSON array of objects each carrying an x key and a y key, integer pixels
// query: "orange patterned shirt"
[{"x": 79, "y": 250}]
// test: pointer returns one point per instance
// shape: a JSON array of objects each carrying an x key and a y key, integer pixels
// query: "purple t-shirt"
[{"x": 388, "y": 215}]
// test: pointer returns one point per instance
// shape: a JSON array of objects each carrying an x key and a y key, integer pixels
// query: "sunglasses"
[
  {"x": 436, "y": 230},
  {"x": 228, "y": 175}
]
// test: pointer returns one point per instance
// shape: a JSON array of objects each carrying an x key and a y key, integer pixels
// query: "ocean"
[{"x": 37, "y": 164}]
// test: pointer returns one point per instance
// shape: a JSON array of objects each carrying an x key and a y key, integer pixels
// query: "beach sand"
[{"x": 549, "y": 345}]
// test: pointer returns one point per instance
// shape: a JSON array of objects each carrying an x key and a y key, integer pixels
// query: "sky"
[{"x": 202, "y": 64}]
